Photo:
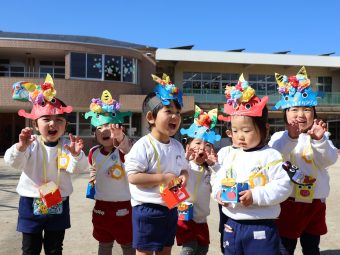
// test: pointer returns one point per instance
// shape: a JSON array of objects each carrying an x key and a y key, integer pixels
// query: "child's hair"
[
  {"x": 261, "y": 123},
  {"x": 285, "y": 114},
  {"x": 157, "y": 108}
]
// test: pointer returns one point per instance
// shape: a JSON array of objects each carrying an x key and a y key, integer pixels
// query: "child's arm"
[
  {"x": 120, "y": 140},
  {"x": 283, "y": 143},
  {"x": 16, "y": 156},
  {"x": 78, "y": 162},
  {"x": 150, "y": 180}
]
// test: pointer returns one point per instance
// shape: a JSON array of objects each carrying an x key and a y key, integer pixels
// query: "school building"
[{"x": 83, "y": 66}]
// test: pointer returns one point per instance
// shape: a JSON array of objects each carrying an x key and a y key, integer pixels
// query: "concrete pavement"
[{"x": 79, "y": 240}]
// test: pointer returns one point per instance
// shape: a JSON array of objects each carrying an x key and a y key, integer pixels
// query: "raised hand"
[
  {"x": 25, "y": 139},
  {"x": 318, "y": 129},
  {"x": 211, "y": 157},
  {"x": 293, "y": 129},
  {"x": 117, "y": 133},
  {"x": 75, "y": 146},
  {"x": 190, "y": 153}
]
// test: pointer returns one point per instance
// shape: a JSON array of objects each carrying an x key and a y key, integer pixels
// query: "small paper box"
[
  {"x": 50, "y": 194},
  {"x": 230, "y": 191},
  {"x": 174, "y": 194},
  {"x": 91, "y": 190},
  {"x": 185, "y": 211}
]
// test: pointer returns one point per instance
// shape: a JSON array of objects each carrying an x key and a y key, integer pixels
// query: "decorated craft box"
[
  {"x": 230, "y": 190},
  {"x": 174, "y": 193},
  {"x": 91, "y": 190},
  {"x": 185, "y": 211},
  {"x": 50, "y": 194}
]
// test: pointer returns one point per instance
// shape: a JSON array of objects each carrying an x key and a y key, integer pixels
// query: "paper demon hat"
[
  {"x": 105, "y": 110},
  {"x": 165, "y": 91},
  {"x": 295, "y": 90},
  {"x": 241, "y": 100},
  {"x": 41, "y": 96},
  {"x": 203, "y": 125}
]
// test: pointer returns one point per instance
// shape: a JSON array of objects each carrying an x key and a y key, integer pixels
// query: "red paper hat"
[
  {"x": 241, "y": 100},
  {"x": 44, "y": 101}
]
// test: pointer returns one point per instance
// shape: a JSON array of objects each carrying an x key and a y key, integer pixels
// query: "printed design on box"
[
  {"x": 40, "y": 208},
  {"x": 185, "y": 211},
  {"x": 174, "y": 193},
  {"x": 230, "y": 190},
  {"x": 50, "y": 194}
]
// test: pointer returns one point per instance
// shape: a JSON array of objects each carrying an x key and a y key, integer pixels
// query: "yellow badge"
[
  {"x": 304, "y": 193},
  {"x": 117, "y": 171},
  {"x": 257, "y": 179},
  {"x": 63, "y": 159}
]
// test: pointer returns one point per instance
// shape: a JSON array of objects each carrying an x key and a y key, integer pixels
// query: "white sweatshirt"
[
  {"x": 142, "y": 159},
  {"x": 108, "y": 188},
  {"x": 323, "y": 153},
  {"x": 31, "y": 163},
  {"x": 266, "y": 198}
]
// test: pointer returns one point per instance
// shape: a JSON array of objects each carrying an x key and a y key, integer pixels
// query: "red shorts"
[
  {"x": 112, "y": 222},
  {"x": 297, "y": 218},
  {"x": 188, "y": 231}
]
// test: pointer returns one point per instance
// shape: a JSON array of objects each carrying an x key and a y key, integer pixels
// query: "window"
[
  {"x": 210, "y": 83},
  {"x": 55, "y": 68},
  {"x": 78, "y": 125},
  {"x": 103, "y": 67},
  {"x": 263, "y": 84},
  {"x": 11, "y": 70},
  {"x": 325, "y": 84}
]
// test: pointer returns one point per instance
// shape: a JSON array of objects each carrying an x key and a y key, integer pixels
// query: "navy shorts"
[
  {"x": 251, "y": 237},
  {"x": 30, "y": 223},
  {"x": 154, "y": 227}
]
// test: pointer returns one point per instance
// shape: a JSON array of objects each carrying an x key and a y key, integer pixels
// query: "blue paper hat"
[
  {"x": 105, "y": 110},
  {"x": 202, "y": 126},
  {"x": 166, "y": 90},
  {"x": 295, "y": 90}
]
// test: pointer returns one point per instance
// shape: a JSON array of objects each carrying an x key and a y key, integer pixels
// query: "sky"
[{"x": 307, "y": 27}]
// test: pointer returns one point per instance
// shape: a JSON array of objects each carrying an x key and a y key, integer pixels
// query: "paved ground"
[{"x": 79, "y": 238}]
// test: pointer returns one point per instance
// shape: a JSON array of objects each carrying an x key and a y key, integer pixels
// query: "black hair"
[
  {"x": 285, "y": 114},
  {"x": 261, "y": 123},
  {"x": 156, "y": 109}
]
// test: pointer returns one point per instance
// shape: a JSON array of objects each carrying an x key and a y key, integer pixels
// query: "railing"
[
  {"x": 214, "y": 96},
  {"x": 30, "y": 74}
]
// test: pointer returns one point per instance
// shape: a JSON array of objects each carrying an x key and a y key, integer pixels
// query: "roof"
[
  {"x": 246, "y": 58},
  {"x": 70, "y": 38}
]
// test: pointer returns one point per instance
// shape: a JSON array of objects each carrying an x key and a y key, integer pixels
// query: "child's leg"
[
  {"x": 189, "y": 248},
  {"x": 31, "y": 243},
  {"x": 223, "y": 220},
  {"x": 53, "y": 242},
  {"x": 202, "y": 249},
  {"x": 287, "y": 246},
  {"x": 105, "y": 248},
  {"x": 127, "y": 249},
  {"x": 166, "y": 251},
  {"x": 310, "y": 244}
]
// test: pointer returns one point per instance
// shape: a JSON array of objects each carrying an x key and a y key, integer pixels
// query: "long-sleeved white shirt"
[
  {"x": 142, "y": 159},
  {"x": 323, "y": 153},
  {"x": 109, "y": 188},
  {"x": 267, "y": 197},
  {"x": 31, "y": 163}
]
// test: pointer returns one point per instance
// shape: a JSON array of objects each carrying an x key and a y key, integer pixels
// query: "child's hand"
[
  {"x": 190, "y": 154},
  {"x": 218, "y": 199},
  {"x": 211, "y": 158},
  {"x": 117, "y": 133},
  {"x": 184, "y": 176},
  {"x": 293, "y": 129},
  {"x": 168, "y": 177},
  {"x": 318, "y": 129},
  {"x": 25, "y": 139},
  {"x": 246, "y": 197},
  {"x": 75, "y": 146}
]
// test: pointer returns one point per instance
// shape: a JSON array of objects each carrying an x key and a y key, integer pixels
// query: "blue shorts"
[
  {"x": 154, "y": 227},
  {"x": 30, "y": 223},
  {"x": 251, "y": 237}
]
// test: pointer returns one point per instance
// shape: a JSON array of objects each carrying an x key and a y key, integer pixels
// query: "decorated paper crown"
[
  {"x": 203, "y": 125},
  {"x": 241, "y": 100},
  {"x": 295, "y": 90},
  {"x": 105, "y": 110},
  {"x": 42, "y": 97},
  {"x": 165, "y": 91}
]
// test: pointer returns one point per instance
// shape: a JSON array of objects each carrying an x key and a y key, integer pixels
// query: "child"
[
  {"x": 111, "y": 215},
  {"x": 155, "y": 160},
  {"x": 250, "y": 227},
  {"x": 306, "y": 145},
  {"x": 46, "y": 162},
  {"x": 193, "y": 232}
]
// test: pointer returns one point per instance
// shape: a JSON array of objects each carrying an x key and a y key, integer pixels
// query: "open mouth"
[
  {"x": 105, "y": 138},
  {"x": 52, "y": 132},
  {"x": 172, "y": 126}
]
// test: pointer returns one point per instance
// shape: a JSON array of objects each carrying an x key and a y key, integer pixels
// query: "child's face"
[
  {"x": 166, "y": 123},
  {"x": 201, "y": 149},
  {"x": 304, "y": 115},
  {"x": 51, "y": 127},
  {"x": 103, "y": 135},
  {"x": 244, "y": 133}
]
